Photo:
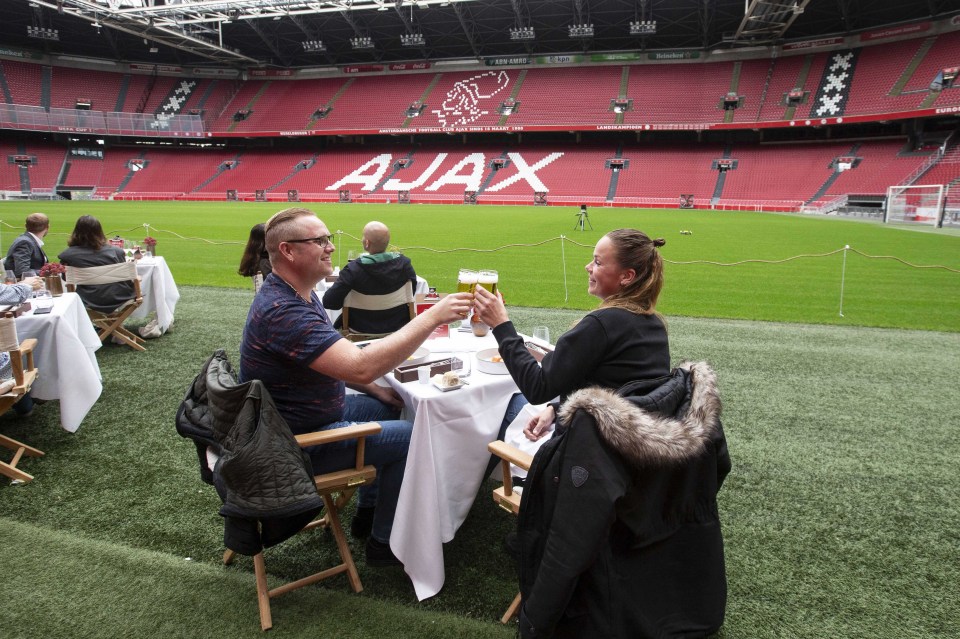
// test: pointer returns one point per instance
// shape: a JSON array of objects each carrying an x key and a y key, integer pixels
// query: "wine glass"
[
  {"x": 541, "y": 334},
  {"x": 9, "y": 277}
]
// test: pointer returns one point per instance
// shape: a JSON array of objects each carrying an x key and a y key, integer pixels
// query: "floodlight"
[
  {"x": 522, "y": 33},
  {"x": 313, "y": 46},
  {"x": 581, "y": 30},
  {"x": 361, "y": 42},
  {"x": 643, "y": 27},
  {"x": 412, "y": 40},
  {"x": 43, "y": 34}
]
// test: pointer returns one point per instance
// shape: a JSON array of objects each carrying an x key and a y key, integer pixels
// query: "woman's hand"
[
  {"x": 36, "y": 283},
  {"x": 489, "y": 307},
  {"x": 541, "y": 424}
]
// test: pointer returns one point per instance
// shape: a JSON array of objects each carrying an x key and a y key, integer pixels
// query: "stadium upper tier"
[{"x": 900, "y": 79}]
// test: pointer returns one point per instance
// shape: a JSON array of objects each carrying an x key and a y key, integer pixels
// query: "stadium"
[{"x": 801, "y": 158}]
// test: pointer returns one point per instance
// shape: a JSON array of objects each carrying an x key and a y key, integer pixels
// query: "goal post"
[{"x": 914, "y": 204}]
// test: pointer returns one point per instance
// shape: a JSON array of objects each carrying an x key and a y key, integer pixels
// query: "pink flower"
[
  {"x": 52, "y": 268},
  {"x": 150, "y": 241}
]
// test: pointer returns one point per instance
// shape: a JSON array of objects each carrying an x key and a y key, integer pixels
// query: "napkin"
[{"x": 515, "y": 437}]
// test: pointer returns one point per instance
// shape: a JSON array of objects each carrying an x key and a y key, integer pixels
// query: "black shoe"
[
  {"x": 362, "y": 523},
  {"x": 380, "y": 555}
]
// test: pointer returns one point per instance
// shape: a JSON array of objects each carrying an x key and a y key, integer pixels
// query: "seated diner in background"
[
  {"x": 377, "y": 272},
  {"x": 87, "y": 247},
  {"x": 26, "y": 251},
  {"x": 647, "y": 454},
  {"x": 255, "y": 257},
  {"x": 291, "y": 346}
]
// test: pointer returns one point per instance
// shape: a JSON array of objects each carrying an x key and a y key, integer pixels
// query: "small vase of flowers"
[
  {"x": 150, "y": 245},
  {"x": 52, "y": 274}
]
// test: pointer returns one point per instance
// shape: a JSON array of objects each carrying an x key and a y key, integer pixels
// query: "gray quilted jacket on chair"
[{"x": 263, "y": 477}]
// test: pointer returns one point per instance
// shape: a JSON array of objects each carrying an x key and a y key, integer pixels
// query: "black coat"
[
  {"x": 369, "y": 277},
  {"x": 619, "y": 529},
  {"x": 263, "y": 477}
]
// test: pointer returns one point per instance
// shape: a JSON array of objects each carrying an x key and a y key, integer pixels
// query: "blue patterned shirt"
[{"x": 284, "y": 334}]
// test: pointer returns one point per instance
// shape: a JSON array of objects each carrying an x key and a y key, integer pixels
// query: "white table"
[
  {"x": 446, "y": 461},
  {"x": 160, "y": 294},
  {"x": 65, "y": 357}
]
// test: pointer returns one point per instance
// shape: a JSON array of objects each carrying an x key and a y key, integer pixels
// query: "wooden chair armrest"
[
  {"x": 27, "y": 345},
  {"x": 513, "y": 455},
  {"x": 353, "y": 431}
]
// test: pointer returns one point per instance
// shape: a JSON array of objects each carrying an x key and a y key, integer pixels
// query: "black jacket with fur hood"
[{"x": 619, "y": 529}]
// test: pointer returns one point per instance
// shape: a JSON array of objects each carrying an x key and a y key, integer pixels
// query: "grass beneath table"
[{"x": 839, "y": 515}]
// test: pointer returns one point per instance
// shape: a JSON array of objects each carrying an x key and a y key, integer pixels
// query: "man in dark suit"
[{"x": 26, "y": 252}]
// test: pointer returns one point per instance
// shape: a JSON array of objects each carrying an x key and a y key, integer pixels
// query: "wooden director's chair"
[
  {"x": 336, "y": 488},
  {"x": 111, "y": 324},
  {"x": 23, "y": 377},
  {"x": 508, "y": 498},
  {"x": 360, "y": 301}
]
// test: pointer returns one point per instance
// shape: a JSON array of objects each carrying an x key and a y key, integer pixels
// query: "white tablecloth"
[
  {"x": 65, "y": 358},
  {"x": 447, "y": 458},
  {"x": 159, "y": 291}
]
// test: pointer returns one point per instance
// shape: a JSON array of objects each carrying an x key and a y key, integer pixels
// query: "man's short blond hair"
[{"x": 281, "y": 225}]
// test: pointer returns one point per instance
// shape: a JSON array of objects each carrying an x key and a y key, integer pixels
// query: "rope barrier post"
[
  {"x": 339, "y": 240},
  {"x": 563, "y": 263},
  {"x": 843, "y": 276}
]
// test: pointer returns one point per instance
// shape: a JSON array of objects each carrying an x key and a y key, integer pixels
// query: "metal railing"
[{"x": 33, "y": 118}]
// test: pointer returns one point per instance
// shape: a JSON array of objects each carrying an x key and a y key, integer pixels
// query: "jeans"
[
  {"x": 387, "y": 451},
  {"x": 25, "y": 405},
  {"x": 517, "y": 402}
]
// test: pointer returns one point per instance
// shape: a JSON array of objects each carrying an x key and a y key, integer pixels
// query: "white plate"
[
  {"x": 419, "y": 356},
  {"x": 446, "y": 388},
  {"x": 486, "y": 364}
]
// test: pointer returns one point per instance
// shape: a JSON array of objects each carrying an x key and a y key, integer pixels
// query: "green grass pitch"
[{"x": 202, "y": 242}]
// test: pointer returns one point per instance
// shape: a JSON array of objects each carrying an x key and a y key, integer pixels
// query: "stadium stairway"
[
  {"x": 615, "y": 175},
  {"x": 331, "y": 102},
  {"x": 423, "y": 98},
  {"x": 7, "y": 96},
  {"x": 912, "y": 66},
  {"x": 299, "y": 167},
  {"x": 249, "y": 105},
  {"x": 45, "y": 77},
  {"x": 24, "y": 171},
  {"x": 734, "y": 86},
  {"x": 513, "y": 96},
  {"x": 721, "y": 177},
  {"x": 220, "y": 169},
  {"x": 791, "y": 111},
  {"x": 624, "y": 87},
  {"x": 832, "y": 178}
]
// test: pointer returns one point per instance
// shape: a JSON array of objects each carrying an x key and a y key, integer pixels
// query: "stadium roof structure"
[{"x": 318, "y": 33}]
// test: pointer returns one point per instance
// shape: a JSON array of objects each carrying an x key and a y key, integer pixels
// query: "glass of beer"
[
  {"x": 466, "y": 281},
  {"x": 488, "y": 279}
]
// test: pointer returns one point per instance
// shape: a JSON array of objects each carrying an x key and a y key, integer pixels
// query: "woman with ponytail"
[{"x": 623, "y": 340}]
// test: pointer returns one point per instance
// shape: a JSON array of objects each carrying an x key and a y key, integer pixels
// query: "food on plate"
[
  {"x": 496, "y": 358},
  {"x": 450, "y": 378}
]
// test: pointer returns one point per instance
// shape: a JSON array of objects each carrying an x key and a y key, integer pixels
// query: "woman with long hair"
[
  {"x": 255, "y": 258},
  {"x": 88, "y": 246}
]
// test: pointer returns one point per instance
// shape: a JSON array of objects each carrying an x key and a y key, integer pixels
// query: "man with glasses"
[
  {"x": 377, "y": 272},
  {"x": 290, "y": 345}
]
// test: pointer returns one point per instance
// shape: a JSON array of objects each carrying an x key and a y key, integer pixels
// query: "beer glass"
[
  {"x": 489, "y": 279},
  {"x": 466, "y": 281}
]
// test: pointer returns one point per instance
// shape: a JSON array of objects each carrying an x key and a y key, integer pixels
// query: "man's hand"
[
  {"x": 385, "y": 394},
  {"x": 451, "y": 308}
]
